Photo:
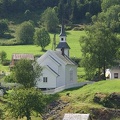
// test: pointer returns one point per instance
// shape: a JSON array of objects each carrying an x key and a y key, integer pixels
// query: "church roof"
[
  {"x": 63, "y": 45},
  {"x": 64, "y": 58},
  {"x": 58, "y": 58}
]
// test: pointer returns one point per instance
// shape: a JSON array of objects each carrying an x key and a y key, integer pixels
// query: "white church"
[{"x": 58, "y": 69}]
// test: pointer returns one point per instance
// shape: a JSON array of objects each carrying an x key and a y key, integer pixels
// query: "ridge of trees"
[{"x": 74, "y": 10}]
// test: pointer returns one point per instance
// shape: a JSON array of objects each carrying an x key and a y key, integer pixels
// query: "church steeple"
[{"x": 63, "y": 46}]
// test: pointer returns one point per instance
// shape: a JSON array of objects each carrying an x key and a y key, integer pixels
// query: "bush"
[
  {"x": 9, "y": 78},
  {"x": 6, "y": 62},
  {"x": 76, "y": 60}
]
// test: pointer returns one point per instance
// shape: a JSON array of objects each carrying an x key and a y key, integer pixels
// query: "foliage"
[
  {"x": 50, "y": 20},
  {"x": 22, "y": 102},
  {"x": 108, "y": 3},
  {"x": 71, "y": 10},
  {"x": 25, "y": 33},
  {"x": 3, "y": 27},
  {"x": 100, "y": 46},
  {"x": 3, "y": 56},
  {"x": 42, "y": 38},
  {"x": 9, "y": 78},
  {"x": 25, "y": 72}
]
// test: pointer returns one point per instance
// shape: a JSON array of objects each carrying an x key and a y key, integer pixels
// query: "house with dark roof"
[{"x": 58, "y": 69}]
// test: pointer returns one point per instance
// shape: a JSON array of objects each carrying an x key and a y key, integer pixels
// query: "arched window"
[{"x": 71, "y": 74}]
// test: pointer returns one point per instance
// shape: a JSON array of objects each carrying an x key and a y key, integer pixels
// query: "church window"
[
  {"x": 62, "y": 39},
  {"x": 45, "y": 79},
  {"x": 115, "y": 75},
  {"x": 71, "y": 75}
]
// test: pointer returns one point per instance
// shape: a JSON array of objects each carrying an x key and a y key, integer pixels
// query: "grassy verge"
[{"x": 84, "y": 95}]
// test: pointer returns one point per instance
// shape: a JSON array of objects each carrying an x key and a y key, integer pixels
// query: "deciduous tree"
[
  {"x": 23, "y": 102},
  {"x": 49, "y": 19},
  {"x": 25, "y": 33},
  {"x": 3, "y": 27},
  {"x": 26, "y": 72},
  {"x": 42, "y": 38},
  {"x": 99, "y": 48},
  {"x": 3, "y": 55}
]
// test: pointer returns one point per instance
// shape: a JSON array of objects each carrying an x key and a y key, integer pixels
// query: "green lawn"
[
  {"x": 86, "y": 93},
  {"x": 72, "y": 39}
]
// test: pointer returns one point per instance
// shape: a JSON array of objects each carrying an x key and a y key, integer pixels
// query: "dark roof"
[
  {"x": 63, "y": 45},
  {"x": 64, "y": 58}
]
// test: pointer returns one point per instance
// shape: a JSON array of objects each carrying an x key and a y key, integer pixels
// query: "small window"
[
  {"x": 62, "y": 39},
  {"x": 71, "y": 75},
  {"x": 115, "y": 75},
  {"x": 44, "y": 79}
]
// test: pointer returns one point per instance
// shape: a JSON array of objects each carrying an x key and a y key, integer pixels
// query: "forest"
[{"x": 74, "y": 11}]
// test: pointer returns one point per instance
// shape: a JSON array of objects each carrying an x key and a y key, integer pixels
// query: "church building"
[{"x": 58, "y": 69}]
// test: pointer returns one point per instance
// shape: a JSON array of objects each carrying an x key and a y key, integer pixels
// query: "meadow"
[
  {"x": 72, "y": 39},
  {"x": 83, "y": 97}
]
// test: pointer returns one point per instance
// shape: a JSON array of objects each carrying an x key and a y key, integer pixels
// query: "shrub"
[{"x": 6, "y": 62}]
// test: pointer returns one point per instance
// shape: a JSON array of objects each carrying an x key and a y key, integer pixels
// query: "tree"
[
  {"x": 25, "y": 72},
  {"x": 3, "y": 56},
  {"x": 108, "y": 3},
  {"x": 42, "y": 38},
  {"x": 99, "y": 49},
  {"x": 50, "y": 20},
  {"x": 3, "y": 27},
  {"x": 22, "y": 102},
  {"x": 25, "y": 33}
]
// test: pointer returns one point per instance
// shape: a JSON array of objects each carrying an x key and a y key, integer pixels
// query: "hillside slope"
[{"x": 80, "y": 100}]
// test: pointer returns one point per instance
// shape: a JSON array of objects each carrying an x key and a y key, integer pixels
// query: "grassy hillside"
[
  {"x": 86, "y": 93},
  {"x": 80, "y": 100}
]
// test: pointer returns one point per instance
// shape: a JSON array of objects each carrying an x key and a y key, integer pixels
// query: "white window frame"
[{"x": 45, "y": 79}]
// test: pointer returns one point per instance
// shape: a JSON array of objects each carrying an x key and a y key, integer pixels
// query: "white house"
[
  {"x": 113, "y": 73},
  {"x": 58, "y": 69}
]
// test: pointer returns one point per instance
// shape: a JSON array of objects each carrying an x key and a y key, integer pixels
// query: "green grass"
[
  {"x": 72, "y": 39},
  {"x": 86, "y": 93}
]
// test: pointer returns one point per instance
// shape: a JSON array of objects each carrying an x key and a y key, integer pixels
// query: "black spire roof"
[{"x": 63, "y": 45}]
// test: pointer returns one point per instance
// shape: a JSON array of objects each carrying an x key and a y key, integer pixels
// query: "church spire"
[{"x": 63, "y": 46}]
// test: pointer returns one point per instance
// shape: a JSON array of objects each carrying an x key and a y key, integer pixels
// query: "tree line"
[{"x": 74, "y": 11}]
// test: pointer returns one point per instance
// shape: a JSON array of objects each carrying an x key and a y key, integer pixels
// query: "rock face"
[
  {"x": 55, "y": 110},
  {"x": 105, "y": 114},
  {"x": 111, "y": 101},
  {"x": 52, "y": 111}
]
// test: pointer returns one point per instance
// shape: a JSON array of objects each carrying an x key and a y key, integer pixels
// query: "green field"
[
  {"x": 84, "y": 95},
  {"x": 72, "y": 39}
]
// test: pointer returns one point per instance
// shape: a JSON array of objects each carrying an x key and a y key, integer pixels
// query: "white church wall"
[
  {"x": 51, "y": 80},
  {"x": 61, "y": 77},
  {"x": 71, "y": 74}
]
